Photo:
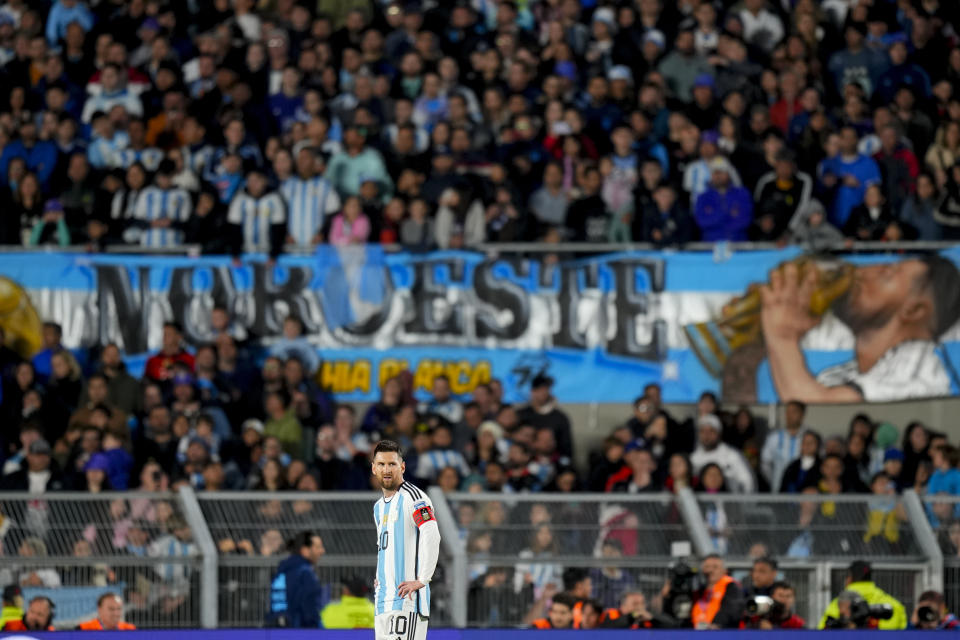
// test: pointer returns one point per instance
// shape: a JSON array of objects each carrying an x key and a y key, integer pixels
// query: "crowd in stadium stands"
[
  {"x": 206, "y": 416},
  {"x": 251, "y": 125}
]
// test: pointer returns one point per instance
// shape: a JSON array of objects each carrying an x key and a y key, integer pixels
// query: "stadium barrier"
[
  {"x": 187, "y": 560},
  {"x": 445, "y": 634}
]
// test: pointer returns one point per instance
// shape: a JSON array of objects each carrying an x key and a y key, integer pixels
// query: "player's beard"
[
  {"x": 392, "y": 484},
  {"x": 846, "y": 310}
]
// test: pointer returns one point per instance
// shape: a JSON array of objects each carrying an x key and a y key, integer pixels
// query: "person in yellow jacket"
[
  {"x": 859, "y": 580},
  {"x": 12, "y": 604},
  {"x": 352, "y": 611}
]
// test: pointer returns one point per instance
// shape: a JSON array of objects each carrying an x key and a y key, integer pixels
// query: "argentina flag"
[{"x": 355, "y": 283}]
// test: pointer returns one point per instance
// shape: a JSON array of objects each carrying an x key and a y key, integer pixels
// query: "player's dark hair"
[
  {"x": 943, "y": 280},
  {"x": 387, "y": 446},
  {"x": 767, "y": 560}
]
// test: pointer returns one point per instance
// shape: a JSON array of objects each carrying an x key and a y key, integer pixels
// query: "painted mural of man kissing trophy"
[{"x": 897, "y": 312}]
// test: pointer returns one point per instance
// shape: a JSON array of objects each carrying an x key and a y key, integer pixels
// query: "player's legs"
[{"x": 400, "y": 625}]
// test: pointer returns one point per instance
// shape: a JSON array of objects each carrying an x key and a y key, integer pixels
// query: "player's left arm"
[{"x": 428, "y": 547}]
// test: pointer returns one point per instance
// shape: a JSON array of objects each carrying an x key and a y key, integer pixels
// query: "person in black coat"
[
  {"x": 39, "y": 469},
  {"x": 665, "y": 221},
  {"x": 872, "y": 220},
  {"x": 804, "y": 472},
  {"x": 207, "y": 226}
]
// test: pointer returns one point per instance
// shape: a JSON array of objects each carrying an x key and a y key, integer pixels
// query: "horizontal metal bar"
[
  {"x": 521, "y": 247},
  {"x": 85, "y": 496},
  {"x": 759, "y": 499},
  {"x": 658, "y": 498},
  {"x": 309, "y": 496},
  {"x": 116, "y": 561},
  {"x": 239, "y": 561}
]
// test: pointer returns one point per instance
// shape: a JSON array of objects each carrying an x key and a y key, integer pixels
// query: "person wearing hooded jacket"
[
  {"x": 809, "y": 227},
  {"x": 295, "y": 589}
]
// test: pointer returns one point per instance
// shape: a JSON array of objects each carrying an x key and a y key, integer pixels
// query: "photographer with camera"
[
  {"x": 774, "y": 611},
  {"x": 634, "y": 614},
  {"x": 931, "y": 613},
  {"x": 762, "y": 577},
  {"x": 710, "y": 599},
  {"x": 863, "y": 605}
]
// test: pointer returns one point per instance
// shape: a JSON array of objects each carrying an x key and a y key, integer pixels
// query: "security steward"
[
  {"x": 560, "y": 615},
  {"x": 633, "y": 614},
  {"x": 720, "y": 604},
  {"x": 109, "y": 615},
  {"x": 352, "y": 611},
  {"x": 38, "y": 616}
]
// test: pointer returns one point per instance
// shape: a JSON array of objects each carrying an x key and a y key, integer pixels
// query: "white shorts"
[{"x": 400, "y": 625}]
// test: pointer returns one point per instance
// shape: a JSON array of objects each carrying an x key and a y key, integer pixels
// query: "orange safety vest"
[
  {"x": 577, "y": 614},
  {"x": 542, "y": 623},
  {"x": 95, "y": 625},
  {"x": 17, "y": 625},
  {"x": 706, "y": 608}
]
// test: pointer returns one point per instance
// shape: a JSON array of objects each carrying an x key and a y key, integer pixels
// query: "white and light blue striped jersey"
[
  {"x": 255, "y": 217},
  {"x": 309, "y": 202},
  {"x": 400, "y": 558},
  {"x": 149, "y": 157},
  {"x": 197, "y": 158},
  {"x": 429, "y": 463},
  {"x": 124, "y": 204},
  {"x": 779, "y": 450},
  {"x": 155, "y": 203},
  {"x": 542, "y": 573}
]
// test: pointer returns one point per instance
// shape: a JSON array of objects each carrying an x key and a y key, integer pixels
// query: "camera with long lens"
[
  {"x": 685, "y": 581},
  {"x": 765, "y": 608},
  {"x": 863, "y": 615},
  {"x": 928, "y": 615}
]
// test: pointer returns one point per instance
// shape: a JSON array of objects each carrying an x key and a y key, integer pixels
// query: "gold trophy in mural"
[
  {"x": 19, "y": 320},
  {"x": 739, "y": 321}
]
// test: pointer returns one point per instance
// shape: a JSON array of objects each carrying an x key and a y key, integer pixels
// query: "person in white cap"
[{"x": 710, "y": 449}]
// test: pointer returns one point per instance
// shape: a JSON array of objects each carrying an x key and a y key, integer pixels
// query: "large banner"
[{"x": 753, "y": 326}]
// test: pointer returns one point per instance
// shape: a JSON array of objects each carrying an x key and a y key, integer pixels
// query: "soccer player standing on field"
[{"x": 408, "y": 545}]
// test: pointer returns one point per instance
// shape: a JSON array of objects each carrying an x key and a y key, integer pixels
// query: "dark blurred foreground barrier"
[{"x": 434, "y": 634}]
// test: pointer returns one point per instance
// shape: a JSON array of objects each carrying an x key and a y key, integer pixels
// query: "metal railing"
[
  {"x": 249, "y": 531},
  {"x": 73, "y": 547},
  {"x": 186, "y": 559},
  {"x": 533, "y": 247}
]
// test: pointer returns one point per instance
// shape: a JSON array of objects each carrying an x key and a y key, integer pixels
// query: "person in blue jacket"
[
  {"x": 724, "y": 211},
  {"x": 40, "y": 155},
  {"x": 295, "y": 589},
  {"x": 849, "y": 173}
]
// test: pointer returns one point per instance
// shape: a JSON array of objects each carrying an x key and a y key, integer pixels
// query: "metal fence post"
[
  {"x": 458, "y": 553},
  {"x": 692, "y": 517},
  {"x": 209, "y": 616},
  {"x": 926, "y": 538}
]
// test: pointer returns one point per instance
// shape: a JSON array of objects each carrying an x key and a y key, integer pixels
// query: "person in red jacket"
[
  {"x": 160, "y": 366},
  {"x": 783, "y": 593},
  {"x": 38, "y": 617},
  {"x": 109, "y": 615}
]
